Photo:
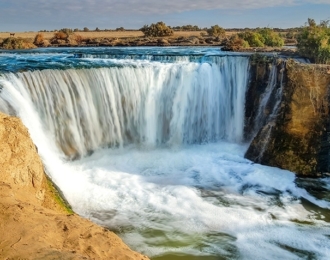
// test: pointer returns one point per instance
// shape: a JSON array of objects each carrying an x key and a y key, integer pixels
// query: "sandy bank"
[{"x": 33, "y": 225}]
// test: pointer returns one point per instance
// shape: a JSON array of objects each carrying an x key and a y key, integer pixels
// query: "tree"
[
  {"x": 216, "y": 31},
  {"x": 314, "y": 42},
  {"x": 311, "y": 22},
  {"x": 159, "y": 29},
  {"x": 86, "y": 29}
]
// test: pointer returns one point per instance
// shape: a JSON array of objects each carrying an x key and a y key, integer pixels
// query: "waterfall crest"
[{"x": 149, "y": 103}]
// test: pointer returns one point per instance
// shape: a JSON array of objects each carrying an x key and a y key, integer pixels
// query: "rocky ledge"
[{"x": 297, "y": 136}]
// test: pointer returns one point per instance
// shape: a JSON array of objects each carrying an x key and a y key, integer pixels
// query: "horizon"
[{"x": 38, "y": 15}]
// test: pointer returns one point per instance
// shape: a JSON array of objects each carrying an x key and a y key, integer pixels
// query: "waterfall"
[
  {"x": 178, "y": 198},
  {"x": 140, "y": 102},
  {"x": 271, "y": 97},
  {"x": 269, "y": 106}
]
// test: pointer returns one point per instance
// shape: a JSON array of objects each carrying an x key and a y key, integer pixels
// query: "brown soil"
[{"x": 33, "y": 225}]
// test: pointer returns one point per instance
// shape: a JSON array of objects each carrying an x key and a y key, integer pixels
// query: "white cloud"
[
  {"x": 145, "y": 6},
  {"x": 134, "y": 13}
]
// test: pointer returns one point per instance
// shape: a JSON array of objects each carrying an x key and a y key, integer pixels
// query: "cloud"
[
  {"x": 50, "y": 14},
  {"x": 142, "y": 7}
]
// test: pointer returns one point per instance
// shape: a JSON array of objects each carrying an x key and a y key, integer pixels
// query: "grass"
[{"x": 58, "y": 196}]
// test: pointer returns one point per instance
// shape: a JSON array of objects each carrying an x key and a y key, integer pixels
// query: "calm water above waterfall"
[{"x": 150, "y": 143}]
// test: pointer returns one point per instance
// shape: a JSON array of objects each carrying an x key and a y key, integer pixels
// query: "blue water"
[{"x": 65, "y": 58}]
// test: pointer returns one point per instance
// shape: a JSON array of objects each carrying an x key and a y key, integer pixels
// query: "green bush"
[
  {"x": 159, "y": 29},
  {"x": 271, "y": 38},
  {"x": 216, "y": 31},
  {"x": 262, "y": 37},
  {"x": 314, "y": 42},
  {"x": 254, "y": 39},
  {"x": 235, "y": 43}
]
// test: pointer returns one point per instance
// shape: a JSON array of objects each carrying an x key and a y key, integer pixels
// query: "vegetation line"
[{"x": 312, "y": 40}]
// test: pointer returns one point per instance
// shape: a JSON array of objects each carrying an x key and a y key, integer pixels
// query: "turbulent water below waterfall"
[{"x": 150, "y": 143}]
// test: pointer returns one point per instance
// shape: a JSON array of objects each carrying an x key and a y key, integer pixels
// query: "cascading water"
[
  {"x": 170, "y": 177},
  {"x": 263, "y": 116},
  {"x": 269, "y": 105},
  {"x": 151, "y": 104}
]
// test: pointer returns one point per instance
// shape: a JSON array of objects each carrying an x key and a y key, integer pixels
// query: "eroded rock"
[{"x": 298, "y": 137}]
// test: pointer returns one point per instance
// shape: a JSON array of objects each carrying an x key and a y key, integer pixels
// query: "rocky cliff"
[
  {"x": 34, "y": 224},
  {"x": 297, "y": 135}
]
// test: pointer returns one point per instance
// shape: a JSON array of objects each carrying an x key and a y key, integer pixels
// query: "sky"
[{"x": 35, "y": 15}]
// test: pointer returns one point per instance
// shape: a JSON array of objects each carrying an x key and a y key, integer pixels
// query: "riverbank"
[
  {"x": 122, "y": 39},
  {"x": 34, "y": 221}
]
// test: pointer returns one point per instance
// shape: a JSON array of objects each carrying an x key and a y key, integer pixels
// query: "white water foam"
[{"x": 197, "y": 200}]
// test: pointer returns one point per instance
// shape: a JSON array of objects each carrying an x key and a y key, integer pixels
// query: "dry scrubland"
[
  {"x": 107, "y": 34},
  {"x": 154, "y": 37}
]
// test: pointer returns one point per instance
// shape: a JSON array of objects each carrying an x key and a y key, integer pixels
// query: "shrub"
[
  {"x": 39, "y": 39},
  {"x": 260, "y": 38},
  {"x": 60, "y": 35},
  {"x": 187, "y": 27},
  {"x": 235, "y": 43},
  {"x": 159, "y": 29},
  {"x": 271, "y": 38},
  {"x": 290, "y": 35},
  {"x": 17, "y": 43},
  {"x": 216, "y": 31},
  {"x": 254, "y": 39},
  {"x": 78, "y": 38},
  {"x": 314, "y": 42},
  {"x": 66, "y": 31}
]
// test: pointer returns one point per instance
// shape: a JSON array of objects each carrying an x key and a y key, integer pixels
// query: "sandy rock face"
[
  {"x": 21, "y": 166},
  {"x": 32, "y": 223}
]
